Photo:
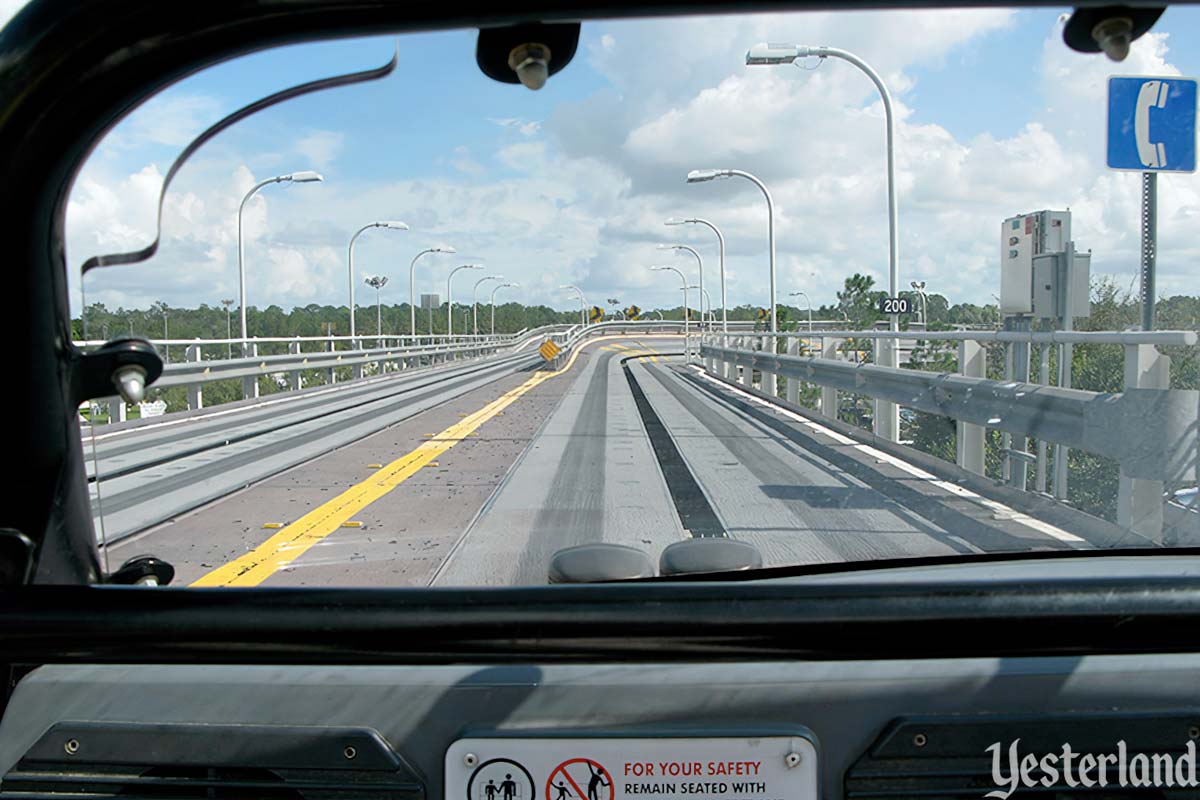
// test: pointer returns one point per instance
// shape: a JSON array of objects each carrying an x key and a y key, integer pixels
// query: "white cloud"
[
  {"x": 320, "y": 148},
  {"x": 584, "y": 203},
  {"x": 521, "y": 126}
]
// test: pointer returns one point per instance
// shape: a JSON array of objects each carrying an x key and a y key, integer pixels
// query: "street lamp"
[
  {"x": 706, "y": 299},
  {"x": 450, "y": 297},
  {"x": 704, "y": 175},
  {"x": 306, "y": 176},
  {"x": 721, "y": 256},
  {"x": 919, "y": 288},
  {"x": 774, "y": 54},
  {"x": 582, "y": 303},
  {"x": 228, "y": 324},
  {"x": 377, "y": 282},
  {"x": 687, "y": 340},
  {"x": 700, "y": 262},
  {"x": 412, "y": 295},
  {"x": 390, "y": 224},
  {"x": 498, "y": 288},
  {"x": 475, "y": 300},
  {"x": 809, "y": 299}
]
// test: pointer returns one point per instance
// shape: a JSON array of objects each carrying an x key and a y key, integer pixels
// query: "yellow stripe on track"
[{"x": 294, "y": 540}]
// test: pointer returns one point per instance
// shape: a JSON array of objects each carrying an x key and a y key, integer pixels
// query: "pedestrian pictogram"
[
  {"x": 549, "y": 350},
  {"x": 580, "y": 779},
  {"x": 501, "y": 779}
]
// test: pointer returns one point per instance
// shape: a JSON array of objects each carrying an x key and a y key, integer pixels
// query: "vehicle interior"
[{"x": 661, "y": 648}]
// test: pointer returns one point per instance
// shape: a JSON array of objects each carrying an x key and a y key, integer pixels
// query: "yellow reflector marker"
[
  {"x": 352, "y": 523},
  {"x": 374, "y": 466},
  {"x": 273, "y": 525}
]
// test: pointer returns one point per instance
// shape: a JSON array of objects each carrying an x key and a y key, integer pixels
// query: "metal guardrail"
[
  {"x": 189, "y": 373},
  {"x": 1152, "y": 431}
]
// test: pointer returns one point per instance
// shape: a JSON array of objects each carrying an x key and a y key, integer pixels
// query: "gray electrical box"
[
  {"x": 1055, "y": 285},
  {"x": 1021, "y": 239}
]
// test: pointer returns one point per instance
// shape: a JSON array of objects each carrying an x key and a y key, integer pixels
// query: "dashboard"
[{"x": 784, "y": 729}]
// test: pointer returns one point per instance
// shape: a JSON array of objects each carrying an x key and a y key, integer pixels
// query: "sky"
[{"x": 571, "y": 184}]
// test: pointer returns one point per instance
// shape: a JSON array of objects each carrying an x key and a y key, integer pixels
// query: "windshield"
[{"x": 723, "y": 293}]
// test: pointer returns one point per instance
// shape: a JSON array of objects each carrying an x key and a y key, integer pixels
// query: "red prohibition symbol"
[{"x": 580, "y": 779}]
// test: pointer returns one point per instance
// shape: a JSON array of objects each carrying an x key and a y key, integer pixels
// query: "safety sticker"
[{"x": 618, "y": 768}]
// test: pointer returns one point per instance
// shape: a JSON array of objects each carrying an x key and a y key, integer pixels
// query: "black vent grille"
[
  {"x": 207, "y": 762},
  {"x": 946, "y": 758}
]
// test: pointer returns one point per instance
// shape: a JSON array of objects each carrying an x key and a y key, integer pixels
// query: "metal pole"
[
  {"x": 378, "y": 315},
  {"x": 1066, "y": 353},
  {"x": 242, "y": 257},
  {"x": 687, "y": 336},
  {"x": 350, "y": 272},
  {"x": 1149, "y": 246},
  {"x": 1044, "y": 380},
  {"x": 721, "y": 257},
  {"x": 770, "y": 238},
  {"x": 700, "y": 265},
  {"x": 893, "y": 224},
  {"x": 475, "y": 300},
  {"x": 450, "y": 297},
  {"x": 412, "y": 296}
]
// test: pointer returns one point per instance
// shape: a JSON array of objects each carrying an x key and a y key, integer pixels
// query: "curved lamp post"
[
  {"x": 412, "y": 297},
  {"x": 450, "y": 297},
  {"x": 493, "y": 303},
  {"x": 720, "y": 256},
  {"x": 390, "y": 224},
  {"x": 305, "y": 176}
]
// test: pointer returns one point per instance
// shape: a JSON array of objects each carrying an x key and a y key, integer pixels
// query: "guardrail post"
[
  {"x": 710, "y": 363},
  {"x": 116, "y": 410},
  {"x": 792, "y": 385},
  {"x": 1140, "y": 502},
  {"x": 886, "y": 423},
  {"x": 296, "y": 379},
  {"x": 250, "y": 382},
  {"x": 829, "y": 395},
  {"x": 195, "y": 391},
  {"x": 356, "y": 371},
  {"x": 768, "y": 383},
  {"x": 972, "y": 362},
  {"x": 332, "y": 371},
  {"x": 745, "y": 375}
]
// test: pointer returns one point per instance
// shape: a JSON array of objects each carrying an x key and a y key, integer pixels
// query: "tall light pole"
[
  {"x": 390, "y": 224},
  {"x": 412, "y": 292},
  {"x": 708, "y": 300},
  {"x": 450, "y": 297},
  {"x": 306, "y": 176},
  {"x": 228, "y": 324},
  {"x": 919, "y": 288},
  {"x": 582, "y": 303},
  {"x": 498, "y": 288},
  {"x": 475, "y": 300},
  {"x": 377, "y": 282},
  {"x": 703, "y": 175},
  {"x": 809, "y": 299},
  {"x": 700, "y": 263},
  {"x": 687, "y": 337},
  {"x": 775, "y": 54},
  {"x": 720, "y": 255}
]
